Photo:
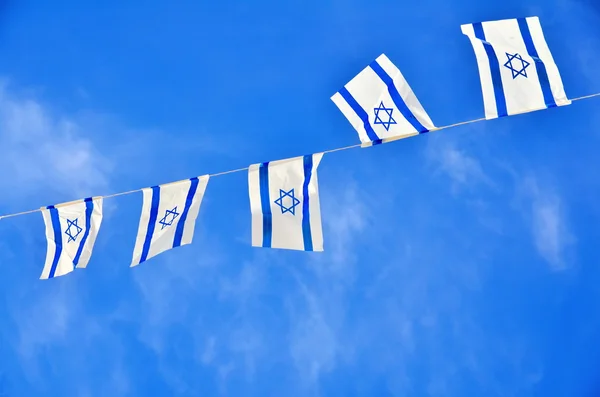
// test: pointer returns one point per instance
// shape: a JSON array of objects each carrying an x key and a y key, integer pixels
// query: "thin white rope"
[{"x": 326, "y": 151}]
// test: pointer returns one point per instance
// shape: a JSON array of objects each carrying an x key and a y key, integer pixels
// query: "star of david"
[
  {"x": 292, "y": 208},
  {"x": 515, "y": 70},
  {"x": 173, "y": 214},
  {"x": 69, "y": 232},
  {"x": 388, "y": 111}
]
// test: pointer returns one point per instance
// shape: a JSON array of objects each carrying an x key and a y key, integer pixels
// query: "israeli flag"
[
  {"x": 380, "y": 104},
  {"x": 284, "y": 201},
  {"x": 516, "y": 68},
  {"x": 71, "y": 231},
  {"x": 168, "y": 217}
]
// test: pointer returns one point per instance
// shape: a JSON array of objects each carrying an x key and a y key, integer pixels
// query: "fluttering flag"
[
  {"x": 380, "y": 104},
  {"x": 284, "y": 202},
  {"x": 516, "y": 68},
  {"x": 71, "y": 231},
  {"x": 168, "y": 217}
]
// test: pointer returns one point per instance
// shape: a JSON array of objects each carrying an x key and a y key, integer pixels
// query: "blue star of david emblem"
[
  {"x": 69, "y": 232},
  {"x": 515, "y": 70},
  {"x": 388, "y": 111},
  {"x": 169, "y": 213},
  {"x": 283, "y": 194}
]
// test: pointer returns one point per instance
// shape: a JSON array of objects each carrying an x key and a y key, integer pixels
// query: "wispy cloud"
[
  {"x": 448, "y": 158},
  {"x": 345, "y": 216},
  {"x": 45, "y": 151},
  {"x": 53, "y": 335},
  {"x": 321, "y": 328},
  {"x": 549, "y": 223},
  {"x": 48, "y": 154},
  {"x": 246, "y": 339},
  {"x": 539, "y": 203},
  {"x": 173, "y": 288},
  {"x": 314, "y": 335},
  {"x": 318, "y": 334}
]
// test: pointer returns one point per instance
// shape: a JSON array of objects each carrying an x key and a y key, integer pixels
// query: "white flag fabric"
[
  {"x": 380, "y": 104},
  {"x": 168, "y": 217},
  {"x": 516, "y": 68},
  {"x": 71, "y": 231},
  {"x": 284, "y": 201}
]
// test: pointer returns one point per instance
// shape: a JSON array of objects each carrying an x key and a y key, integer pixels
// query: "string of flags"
[{"x": 517, "y": 74}]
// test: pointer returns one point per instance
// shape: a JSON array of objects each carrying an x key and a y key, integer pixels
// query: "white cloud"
[
  {"x": 459, "y": 165},
  {"x": 318, "y": 336},
  {"x": 319, "y": 331},
  {"x": 47, "y": 154},
  {"x": 345, "y": 214},
  {"x": 463, "y": 169},
  {"x": 544, "y": 208},
  {"x": 172, "y": 287},
  {"x": 313, "y": 340},
  {"x": 548, "y": 223},
  {"x": 208, "y": 354},
  {"x": 242, "y": 344},
  {"x": 248, "y": 339},
  {"x": 50, "y": 322},
  {"x": 43, "y": 151}
]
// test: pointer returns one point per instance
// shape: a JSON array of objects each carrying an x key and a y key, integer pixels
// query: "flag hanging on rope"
[
  {"x": 284, "y": 202},
  {"x": 168, "y": 217},
  {"x": 516, "y": 69},
  {"x": 380, "y": 104},
  {"x": 71, "y": 231}
]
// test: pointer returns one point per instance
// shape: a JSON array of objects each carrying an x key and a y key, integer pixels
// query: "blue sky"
[{"x": 458, "y": 263}]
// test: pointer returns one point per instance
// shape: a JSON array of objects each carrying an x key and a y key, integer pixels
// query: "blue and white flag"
[
  {"x": 284, "y": 201},
  {"x": 71, "y": 231},
  {"x": 168, "y": 217},
  {"x": 516, "y": 68},
  {"x": 380, "y": 104}
]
